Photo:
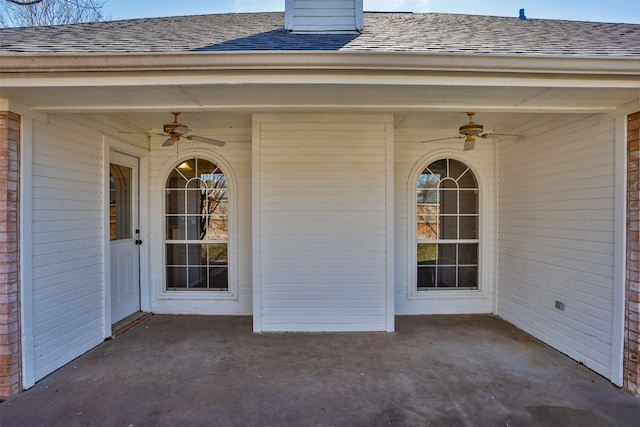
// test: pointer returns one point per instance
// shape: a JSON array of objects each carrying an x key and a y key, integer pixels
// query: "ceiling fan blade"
[
  {"x": 168, "y": 143},
  {"x": 205, "y": 140},
  {"x": 442, "y": 139},
  {"x": 469, "y": 144},
  {"x": 508, "y": 135}
]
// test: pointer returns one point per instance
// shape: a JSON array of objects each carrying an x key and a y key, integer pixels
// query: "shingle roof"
[{"x": 383, "y": 32}]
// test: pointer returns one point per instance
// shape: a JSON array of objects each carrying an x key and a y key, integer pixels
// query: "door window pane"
[{"x": 120, "y": 202}]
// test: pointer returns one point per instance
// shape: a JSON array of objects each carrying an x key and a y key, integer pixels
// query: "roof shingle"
[{"x": 383, "y": 32}]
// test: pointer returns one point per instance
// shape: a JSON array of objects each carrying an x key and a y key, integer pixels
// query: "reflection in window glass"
[
  {"x": 197, "y": 227},
  {"x": 447, "y": 227}
]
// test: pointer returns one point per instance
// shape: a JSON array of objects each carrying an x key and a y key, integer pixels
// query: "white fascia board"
[
  {"x": 321, "y": 60},
  {"x": 315, "y": 77}
]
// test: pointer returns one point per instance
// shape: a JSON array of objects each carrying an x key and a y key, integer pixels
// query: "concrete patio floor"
[{"x": 213, "y": 371}]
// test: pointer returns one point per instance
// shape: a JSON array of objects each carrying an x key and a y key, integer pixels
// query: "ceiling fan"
[
  {"x": 175, "y": 131},
  {"x": 470, "y": 131}
]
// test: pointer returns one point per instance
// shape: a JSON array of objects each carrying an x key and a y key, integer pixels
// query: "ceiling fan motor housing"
[
  {"x": 175, "y": 128},
  {"x": 471, "y": 129}
]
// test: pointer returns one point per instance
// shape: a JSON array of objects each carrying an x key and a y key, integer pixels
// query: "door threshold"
[{"x": 128, "y": 323}]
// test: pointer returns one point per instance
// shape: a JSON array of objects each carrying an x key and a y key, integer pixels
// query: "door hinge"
[{"x": 138, "y": 242}]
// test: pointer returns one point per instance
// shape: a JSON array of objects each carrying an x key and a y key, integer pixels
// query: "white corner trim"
[
  {"x": 496, "y": 225},
  {"x": 106, "y": 242},
  {"x": 390, "y": 206},
  {"x": 26, "y": 252},
  {"x": 145, "y": 232},
  {"x": 256, "y": 230},
  {"x": 359, "y": 15},
  {"x": 620, "y": 252}
]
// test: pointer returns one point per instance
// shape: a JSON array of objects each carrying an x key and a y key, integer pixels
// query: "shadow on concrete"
[{"x": 434, "y": 371}]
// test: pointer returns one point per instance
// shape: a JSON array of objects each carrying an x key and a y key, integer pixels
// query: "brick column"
[
  {"x": 632, "y": 328},
  {"x": 9, "y": 254}
]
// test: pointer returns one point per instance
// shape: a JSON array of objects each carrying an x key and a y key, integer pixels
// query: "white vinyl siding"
[
  {"x": 323, "y": 15},
  {"x": 322, "y": 224},
  {"x": 67, "y": 276},
  {"x": 556, "y": 231},
  {"x": 411, "y": 157},
  {"x": 235, "y": 159}
]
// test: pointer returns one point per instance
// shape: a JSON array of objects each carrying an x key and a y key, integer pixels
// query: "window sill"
[{"x": 448, "y": 294}]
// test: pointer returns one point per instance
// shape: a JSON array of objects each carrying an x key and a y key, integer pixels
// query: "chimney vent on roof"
[
  {"x": 522, "y": 17},
  {"x": 323, "y": 16}
]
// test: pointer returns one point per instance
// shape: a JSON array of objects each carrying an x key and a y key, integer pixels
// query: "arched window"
[
  {"x": 447, "y": 227},
  {"x": 197, "y": 227}
]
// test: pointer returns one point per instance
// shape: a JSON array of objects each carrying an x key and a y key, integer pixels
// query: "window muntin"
[
  {"x": 197, "y": 227},
  {"x": 447, "y": 215}
]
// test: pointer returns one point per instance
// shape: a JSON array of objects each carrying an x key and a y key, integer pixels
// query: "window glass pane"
[
  {"x": 447, "y": 254},
  {"x": 194, "y": 184},
  {"x": 176, "y": 277},
  {"x": 428, "y": 196},
  {"x": 176, "y": 180},
  {"x": 446, "y": 277},
  {"x": 468, "y": 227},
  {"x": 176, "y": 254},
  {"x": 197, "y": 254},
  {"x": 426, "y": 277},
  {"x": 468, "y": 277},
  {"x": 428, "y": 180},
  {"x": 216, "y": 253},
  {"x": 206, "y": 167},
  {"x": 448, "y": 227},
  {"x": 217, "y": 228},
  {"x": 218, "y": 202},
  {"x": 213, "y": 181},
  {"x": 174, "y": 201},
  {"x": 194, "y": 228},
  {"x": 197, "y": 277},
  {"x": 449, "y": 183},
  {"x": 467, "y": 180},
  {"x": 194, "y": 200},
  {"x": 181, "y": 174},
  {"x": 468, "y": 201},
  {"x": 456, "y": 169},
  {"x": 438, "y": 168},
  {"x": 218, "y": 278},
  {"x": 176, "y": 228},
  {"x": 427, "y": 253},
  {"x": 120, "y": 202},
  {"x": 468, "y": 254},
  {"x": 449, "y": 202},
  {"x": 427, "y": 227}
]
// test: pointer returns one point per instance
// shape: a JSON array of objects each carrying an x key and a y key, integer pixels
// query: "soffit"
[{"x": 314, "y": 97}]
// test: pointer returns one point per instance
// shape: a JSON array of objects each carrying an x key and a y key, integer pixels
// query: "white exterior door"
[{"x": 124, "y": 236}]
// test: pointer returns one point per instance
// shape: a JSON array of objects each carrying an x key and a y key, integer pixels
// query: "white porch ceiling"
[{"x": 141, "y": 108}]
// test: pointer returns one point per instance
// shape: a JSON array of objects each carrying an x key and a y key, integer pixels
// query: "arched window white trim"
[
  {"x": 214, "y": 231},
  {"x": 412, "y": 239}
]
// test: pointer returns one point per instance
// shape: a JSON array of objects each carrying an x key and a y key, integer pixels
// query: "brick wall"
[
  {"x": 632, "y": 328},
  {"x": 9, "y": 251}
]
